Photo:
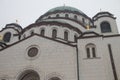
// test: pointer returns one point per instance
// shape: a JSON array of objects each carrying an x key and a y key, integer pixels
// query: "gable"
[{"x": 37, "y": 37}]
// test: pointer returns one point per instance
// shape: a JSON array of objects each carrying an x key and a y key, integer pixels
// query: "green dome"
[
  {"x": 68, "y": 8},
  {"x": 62, "y": 9}
]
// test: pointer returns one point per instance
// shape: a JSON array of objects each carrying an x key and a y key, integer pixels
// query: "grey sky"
[{"x": 28, "y": 11}]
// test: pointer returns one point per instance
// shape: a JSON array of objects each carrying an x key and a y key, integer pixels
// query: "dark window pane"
[
  {"x": 105, "y": 27},
  {"x": 57, "y": 15},
  {"x": 54, "y": 33},
  {"x": 93, "y": 52},
  {"x": 7, "y": 37},
  {"x": 75, "y": 17},
  {"x": 42, "y": 32},
  {"x": 66, "y": 15},
  {"x": 75, "y": 38},
  {"x": 66, "y": 35},
  {"x": 83, "y": 20},
  {"x": 88, "y": 52}
]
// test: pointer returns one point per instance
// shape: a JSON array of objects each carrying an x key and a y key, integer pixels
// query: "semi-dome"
[{"x": 15, "y": 26}]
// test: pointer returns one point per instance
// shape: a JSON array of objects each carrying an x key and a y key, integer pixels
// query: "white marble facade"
[{"x": 62, "y": 44}]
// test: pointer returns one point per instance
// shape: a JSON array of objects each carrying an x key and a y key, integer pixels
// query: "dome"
[
  {"x": 63, "y": 9},
  {"x": 66, "y": 8}
]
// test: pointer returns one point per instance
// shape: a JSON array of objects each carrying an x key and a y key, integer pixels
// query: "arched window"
[
  {"x": 105, "y": 27},
  {"x": 75, "y": 17},
  {"x": 54, "y": 33},
  {"x": 66, "y": 15},
  {"x": 75, "y": 38},
  {"x": 83, "y": 20},
  {"x": 54, "y": 78},
  {"x": 7, "y": 37},
  {"x": 42, "y": 33},
  {"x": 91, "y": 50},
  {"x": 29, "y": 75},
  {"x": 49, "y": 17},
  {"x": 57, "y": 15},
  {"x": 66, "y": 35},
  {"x": 32, "y": 32}
]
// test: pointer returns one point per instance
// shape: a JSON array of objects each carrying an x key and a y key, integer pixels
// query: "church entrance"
[{"x": 29, "y": 75}]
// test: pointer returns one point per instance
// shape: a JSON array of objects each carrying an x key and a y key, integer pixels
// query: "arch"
[
  {"x": 42, "y": 32},
  {"x": 57, "y": 15},
  {"x": 75, "y": 17},
  {"x": 7, "y": 37},
  {"x": 66, "y": 35},
  {"x": 32, "y": 32},
  {"x": 66, "y": 15},
  {"x": 105, "y": 27},
  {"x": 29, "y": 75},
  {"x": 91, "y": 50},
  {"x": 54, "y": 78},
  {"x": 49, "y": 17},
  {"x": 75, "y": 37},
  {"x": 54, "y": 33}
]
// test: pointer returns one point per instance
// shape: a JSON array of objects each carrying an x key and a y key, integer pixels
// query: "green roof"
[{"x": 62, "y": 8}]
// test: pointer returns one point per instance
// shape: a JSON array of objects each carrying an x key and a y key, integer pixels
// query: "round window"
[{"x": 32, "y": 52}]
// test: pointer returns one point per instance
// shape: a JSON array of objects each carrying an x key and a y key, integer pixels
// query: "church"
[{"x": 62, "y": 44}]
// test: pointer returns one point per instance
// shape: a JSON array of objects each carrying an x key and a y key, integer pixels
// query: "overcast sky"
[{"x": 28, "y": 11}]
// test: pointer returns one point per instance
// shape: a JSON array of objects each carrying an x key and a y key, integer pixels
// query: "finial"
[
  {"x": 100, "y": 9},
  {"x": 16, "y": 21}
]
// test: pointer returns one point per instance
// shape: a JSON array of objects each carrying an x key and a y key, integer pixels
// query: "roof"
[
  {"x": 103, "y": 14},
  {"x": 63, "y": 8},
  {"x": 15, "y": 24}
]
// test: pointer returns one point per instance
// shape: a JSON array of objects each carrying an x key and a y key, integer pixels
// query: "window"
[
  {"x": 75, "y": 17},
  {"x": 42, "y": 32},
  {"x": 83, "y": 20},
  {"x": 29, "y": 75},
  {"x": 57, "y": 15},
  {"x": 88, "y": 52},
  {"x": 49, "y": 17},
  {"x": 32, "y": 32},
  {"x": 66, "y": 35},
  {"x": 7, "y": 37},
  {"x": 105, "y": 27},
  {"x": 54, "y": 78},
  {"x": 32, "y": 52},
  {"x": 54, "y": 33},
  {"x": 66, "y": 15},
  {"x": 75, "y": 38},
  {"x": 91, "y": 50}
]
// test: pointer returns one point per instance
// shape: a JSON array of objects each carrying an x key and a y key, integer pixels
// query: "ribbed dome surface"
[{"x": 63, "y": 8}]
